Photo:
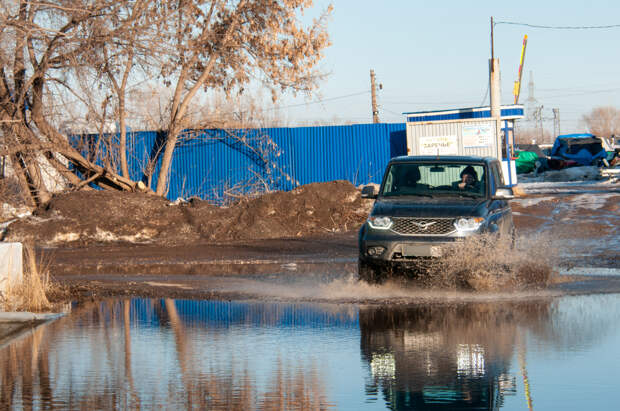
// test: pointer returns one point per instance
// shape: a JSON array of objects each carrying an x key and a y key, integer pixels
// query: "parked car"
[{"x": 426, "y": 202}]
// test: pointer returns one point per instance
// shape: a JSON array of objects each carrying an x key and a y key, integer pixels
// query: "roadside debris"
[{"x": 585, "y": 155}]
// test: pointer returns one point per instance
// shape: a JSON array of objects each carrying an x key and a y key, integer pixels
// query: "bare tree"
[
  {"x": 135, "y": 42},
  {"x": 603, "y": 121},
  {"x": 94, "y": 50},
  {"x": 42, "y": 43},
  {"x": 225, "y": 44}
]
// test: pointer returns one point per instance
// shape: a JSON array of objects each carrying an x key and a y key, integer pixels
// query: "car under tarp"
[
  {"x": 585, "y": 149},
  {"x": 526, "y": 161}
]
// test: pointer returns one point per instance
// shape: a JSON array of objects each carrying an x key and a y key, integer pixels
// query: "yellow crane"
[{"x": 517, "y": 88}]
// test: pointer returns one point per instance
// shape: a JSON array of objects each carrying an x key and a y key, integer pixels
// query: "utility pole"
[
  {"x": 556, "y": 122},
  {"x": 494, "y": 89},
  {"x": 373, "y": 91},
  {"x": 539, "y": 119}
]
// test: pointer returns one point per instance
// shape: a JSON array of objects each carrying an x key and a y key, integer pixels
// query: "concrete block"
[{"x": 11, "y": 264}]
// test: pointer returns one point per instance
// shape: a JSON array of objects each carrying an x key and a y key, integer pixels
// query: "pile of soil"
[{"x": 90, "y": 217}]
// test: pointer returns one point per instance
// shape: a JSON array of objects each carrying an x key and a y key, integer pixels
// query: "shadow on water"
[{"x": 145, "y": 353}]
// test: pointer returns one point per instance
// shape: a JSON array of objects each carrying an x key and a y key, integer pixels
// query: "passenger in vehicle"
[
  {"x": 469, "y": 180},
  {"x": 410, "y": 180}
]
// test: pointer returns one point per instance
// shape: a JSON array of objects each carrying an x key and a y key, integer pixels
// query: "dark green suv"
[{"x": 424, "y": 203}]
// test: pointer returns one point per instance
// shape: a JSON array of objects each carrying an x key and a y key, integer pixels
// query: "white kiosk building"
[{"x": 466, "y": 132}]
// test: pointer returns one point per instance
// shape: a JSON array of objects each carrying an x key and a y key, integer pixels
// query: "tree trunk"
[
  {"x": 26, "y": 162},
  {"x": 40, "y": 192},
  {"x": 22, "y": 180},
  {"x": 166, "y": 162},
  {"x": 180, "y": 104},
  {"x": 123, "y": 138},
  {"x": 64, "y": 171},
  {"x": 107, "y": 178}
]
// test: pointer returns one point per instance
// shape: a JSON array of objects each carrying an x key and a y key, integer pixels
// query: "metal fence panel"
[{"x": 220, "y": 164}]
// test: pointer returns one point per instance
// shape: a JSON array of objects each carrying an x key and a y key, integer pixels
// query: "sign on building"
[
  {"x": 442, "y": 145},
  {"x": 477, "y": 135}
]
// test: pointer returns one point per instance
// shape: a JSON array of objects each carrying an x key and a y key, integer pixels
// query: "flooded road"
[
  {"x": 284, "y": 324},
  {"x": 536, "y": 353}
]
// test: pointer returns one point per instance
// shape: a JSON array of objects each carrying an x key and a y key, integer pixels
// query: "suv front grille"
[{"x": 423, "y": 226}]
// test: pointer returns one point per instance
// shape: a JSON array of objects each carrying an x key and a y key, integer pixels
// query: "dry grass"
[
  {"x": 31, "y": 294},
  {"x": 490, "y": 264}
]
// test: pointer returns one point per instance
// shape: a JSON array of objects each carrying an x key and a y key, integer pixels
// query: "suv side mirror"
[
  {"x": 369, "y": 192},
  {"x": 504, "y": 193}
]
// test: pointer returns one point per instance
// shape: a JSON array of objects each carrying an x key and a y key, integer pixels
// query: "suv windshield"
[{"x": 425, "y": 179}]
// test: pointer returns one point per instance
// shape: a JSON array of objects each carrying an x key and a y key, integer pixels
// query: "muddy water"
[{"x": 542, "y": 353}]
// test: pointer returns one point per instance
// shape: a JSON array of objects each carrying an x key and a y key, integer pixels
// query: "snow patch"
[
  {"x": 8, "y": 212},
  {"x": 107, "y": 236},
  {"x": 65, "y": 237}
]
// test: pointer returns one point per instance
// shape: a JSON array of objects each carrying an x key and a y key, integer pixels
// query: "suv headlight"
[
  {"x": 468, "y": 224},
  {"x": 380, "y": 223}
]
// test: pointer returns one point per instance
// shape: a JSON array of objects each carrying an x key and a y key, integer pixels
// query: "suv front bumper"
[{"x": 383, "y": 246}]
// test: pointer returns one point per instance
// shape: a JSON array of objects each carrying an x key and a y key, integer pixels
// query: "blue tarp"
[{"x": 585, "y": 154}]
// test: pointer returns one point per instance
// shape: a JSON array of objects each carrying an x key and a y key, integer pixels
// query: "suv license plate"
[{"x": 421, "y": 250}]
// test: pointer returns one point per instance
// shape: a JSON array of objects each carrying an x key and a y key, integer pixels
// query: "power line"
[
  {"x": 577, "y": 88},
  {"x": 486, "y": 94},
  {"x": 393, "y": 112},
  {"x": 536, "y": 26},
  {"x": 428, "y": 102},
  {"x": 583, "y": 93},
  {"x": 321, "y": 101}
]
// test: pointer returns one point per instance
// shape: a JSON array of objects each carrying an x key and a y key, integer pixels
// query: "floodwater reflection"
[
  {"x": 455, "y": 356},
  {"x": 142, "y": 353}
]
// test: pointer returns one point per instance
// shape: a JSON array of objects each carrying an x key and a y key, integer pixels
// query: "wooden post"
[
  {"x": 373, "y": 92},
  {"x": 494, "y": 88}
]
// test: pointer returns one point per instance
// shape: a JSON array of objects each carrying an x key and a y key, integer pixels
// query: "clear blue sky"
[{"x": 434, "y": 55}]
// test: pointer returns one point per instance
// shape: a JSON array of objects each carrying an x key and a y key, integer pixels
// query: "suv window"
[
  {"x": 403, "y": 179},
  {"x": 498, "y": 180}
]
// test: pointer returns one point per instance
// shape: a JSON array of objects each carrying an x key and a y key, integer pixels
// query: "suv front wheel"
[{"x": 369, "y": 273}]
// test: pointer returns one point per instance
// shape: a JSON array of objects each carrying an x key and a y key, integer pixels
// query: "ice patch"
[
  {"x": 592, "y": 201},
  {"x": 593, "y": 271},
  {"x": 529, "y": 202},
  {"x": 546, "y": 187}
]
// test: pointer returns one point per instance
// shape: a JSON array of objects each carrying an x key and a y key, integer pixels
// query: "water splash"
[{"x": 489, "y": 263}]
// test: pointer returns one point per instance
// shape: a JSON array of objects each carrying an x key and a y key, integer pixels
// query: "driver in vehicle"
[{"x": 469, "y": 180}]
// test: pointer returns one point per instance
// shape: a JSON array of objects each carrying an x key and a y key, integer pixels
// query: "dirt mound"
[{"x": 87, "y": 217}]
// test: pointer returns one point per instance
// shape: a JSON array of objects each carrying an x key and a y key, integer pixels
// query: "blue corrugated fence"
[{"x": 220, "y": 164}]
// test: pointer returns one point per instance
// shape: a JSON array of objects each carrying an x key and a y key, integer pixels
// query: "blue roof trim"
[{"x": 463, "y": 114}]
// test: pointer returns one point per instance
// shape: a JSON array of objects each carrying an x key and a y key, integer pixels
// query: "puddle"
[{"x": 146, "y": 353}]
